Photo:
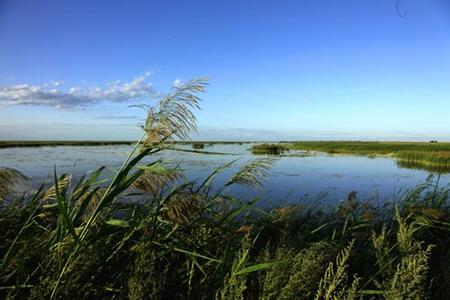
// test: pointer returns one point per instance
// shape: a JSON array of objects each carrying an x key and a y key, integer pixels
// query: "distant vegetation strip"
[
  {"x": 371, "y": 148},
  {"x": 18, "y": 144}
]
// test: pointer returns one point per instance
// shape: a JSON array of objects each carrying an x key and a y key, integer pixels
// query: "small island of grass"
[
  {"x": 271, "y": 149},
  {"x": 198, "y": 145}
]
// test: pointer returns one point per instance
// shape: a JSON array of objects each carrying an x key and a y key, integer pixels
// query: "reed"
[
  {"x": 271, "y": 149},
  {"x": 188, "y": 243},
  {"x": 432, "y": 158},
  {"x": 198, "y": 145}
]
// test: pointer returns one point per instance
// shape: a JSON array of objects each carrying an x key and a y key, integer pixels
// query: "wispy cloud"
[
  {"x": 54, "y": 94},
  {"x": 114, "y": 117},
  {"x": 177, "y": 82}
]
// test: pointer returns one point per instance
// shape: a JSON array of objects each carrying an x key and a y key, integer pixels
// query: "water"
[{"x": 292, "y": 179}]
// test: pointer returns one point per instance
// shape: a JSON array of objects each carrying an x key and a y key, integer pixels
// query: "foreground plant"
[{"x": 8, "y": 178}]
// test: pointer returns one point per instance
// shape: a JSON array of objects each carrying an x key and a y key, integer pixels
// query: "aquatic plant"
[
  {"x": 436, "y": 159},
  {"x": 271, "y": 149},
  {"x": 198, "y": 145}
]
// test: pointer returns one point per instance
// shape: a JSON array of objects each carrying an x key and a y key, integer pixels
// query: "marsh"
[{"x": 294, "y": 177}]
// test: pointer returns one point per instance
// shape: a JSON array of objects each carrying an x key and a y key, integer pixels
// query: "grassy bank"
[
  {"x": 432, "y": 159},
  {"x": 75, "y": 239},
  {"x": 430, "y": 156},
  {"x": 371, "y": 148}
]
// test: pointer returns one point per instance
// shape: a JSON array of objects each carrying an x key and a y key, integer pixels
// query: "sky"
[{"x": 279, "y": 70}]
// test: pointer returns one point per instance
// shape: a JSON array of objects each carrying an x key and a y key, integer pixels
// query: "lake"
[{"x": 315, "y": 177}]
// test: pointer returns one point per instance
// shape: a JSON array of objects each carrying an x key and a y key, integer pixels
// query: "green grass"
[
  {"x": 428, "y": 156},
  {"x": 368, "y": 148},
  {"x": 197, "y": 145},
  {"x": 431, "y": 158},
  {"x": 76, "y": 239}
]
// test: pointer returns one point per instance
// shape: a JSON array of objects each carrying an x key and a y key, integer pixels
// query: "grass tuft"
[{"x": 271, "y": 149}]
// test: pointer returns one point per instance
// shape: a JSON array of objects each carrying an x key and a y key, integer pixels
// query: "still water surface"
[{"x": 292, "y": 179}]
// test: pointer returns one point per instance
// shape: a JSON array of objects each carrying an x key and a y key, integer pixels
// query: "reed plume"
[
  {"x": 173, "y": 116},
  {"x": 253, "y": 172}
]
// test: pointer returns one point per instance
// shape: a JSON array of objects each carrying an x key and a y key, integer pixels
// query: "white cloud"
[
  {"x": 57, "y": 83},
  {"x": 53, "y": 95},
  {"x": 177, "y": 82}
]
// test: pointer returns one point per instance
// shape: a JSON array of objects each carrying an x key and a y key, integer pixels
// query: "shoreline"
[{"x": 29, "y": 144}]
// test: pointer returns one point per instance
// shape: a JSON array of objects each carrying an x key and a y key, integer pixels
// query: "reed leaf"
[
  {"x": 61, "y": 184},
  {"x": 8, "y": 178}
]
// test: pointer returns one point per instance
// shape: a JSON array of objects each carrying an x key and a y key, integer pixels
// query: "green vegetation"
[
  {"x": 439, "y": 169},
  {"x": 17, "y": 144},
  {"x": 367, "y": 148},
  {"x": 431, "y": 156},
  {"x": 432, "y": 159},
  {"x": 198, "y": 145},
  {"x": 271, "y": 149},
  {"x": 76, "y": 239},
  {"x": 189, "y": 244},
  {"x": 22, "y": 144}
]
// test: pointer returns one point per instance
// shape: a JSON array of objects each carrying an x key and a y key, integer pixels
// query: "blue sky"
[{"x": 279, "y": 69}]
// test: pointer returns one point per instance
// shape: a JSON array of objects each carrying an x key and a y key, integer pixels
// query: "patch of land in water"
[{"x": 425, "y": 155}]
